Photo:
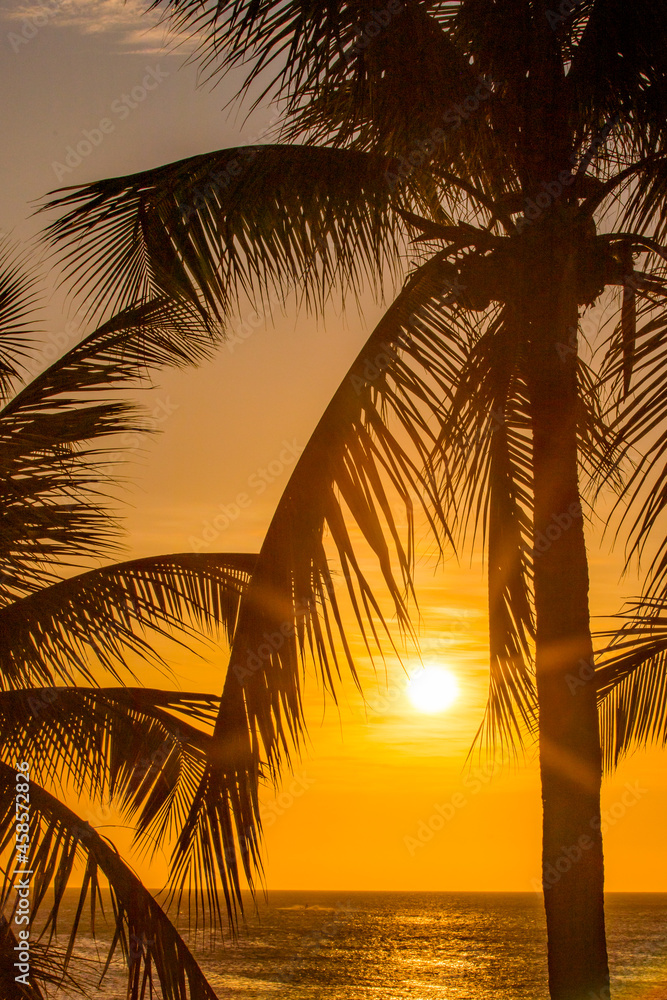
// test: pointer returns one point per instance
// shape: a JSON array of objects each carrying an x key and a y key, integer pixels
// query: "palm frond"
[
  {"x": 52, "y": 437},
  {"x": 246, "y": 220},
  {"x": 618, "y": 69},
  {"x": 292, "y": 608},
  {"x": 487, "y": 455},
  {"x": 637, "y": 431},
  {"x": 646, "y": 197},
  {"x": 398, "y": 87},
  {"x": 11, "y": 989},
  {"x": 512, "y": 702},
  {"x": 394, "y": 80},
  {"x": 142, "y": 749},
  {"x": 632, "y": 682},
  {"x": 487, "y": 452},
  {"x": 102, "y": 742},
  {"x": 102, "y": 616},
  {"x": 294, "y": 46},
  {"x": 631, "y": 679},
  {"x": 18, "y": 302},
  {"x": 149, "y": 942}
]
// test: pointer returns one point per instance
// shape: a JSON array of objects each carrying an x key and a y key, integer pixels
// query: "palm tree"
[
  {"x": 61, "y": 633},
  {"x": 522, "y": 149}
]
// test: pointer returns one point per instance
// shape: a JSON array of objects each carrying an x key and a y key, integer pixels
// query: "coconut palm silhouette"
[{"x": 521, "y": 149}]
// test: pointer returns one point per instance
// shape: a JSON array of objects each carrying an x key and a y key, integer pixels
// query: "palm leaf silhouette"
[
  {"x": 53, "y": 633},
  {"x": 18, "y": 305},
  {"x": 53, "y": 435},
  {"x": 146, "y": 936},
  {"x": 202, "y": 235}
]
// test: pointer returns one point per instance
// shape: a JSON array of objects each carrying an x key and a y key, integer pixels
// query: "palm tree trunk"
[{"x": 570, "y": 757}]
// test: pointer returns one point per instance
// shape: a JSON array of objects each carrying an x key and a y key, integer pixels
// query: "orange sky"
[
  {"x": 372, "y": 781},
  {"x": 369, "y": 782}
]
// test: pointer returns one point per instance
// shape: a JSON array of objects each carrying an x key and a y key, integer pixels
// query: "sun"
[{"x": 433, "y": 689}]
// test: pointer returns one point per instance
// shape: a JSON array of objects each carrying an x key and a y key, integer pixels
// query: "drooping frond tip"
[{"x": 149, "y": 942}]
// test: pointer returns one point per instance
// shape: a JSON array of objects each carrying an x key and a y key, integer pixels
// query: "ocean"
[{"x": 417, "y": 946}]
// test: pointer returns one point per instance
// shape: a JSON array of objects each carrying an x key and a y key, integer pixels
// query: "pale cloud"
[{"x": 133, "y": 30}]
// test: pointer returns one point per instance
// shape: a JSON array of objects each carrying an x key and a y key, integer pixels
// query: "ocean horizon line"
[{"x": 429, "y": 892}]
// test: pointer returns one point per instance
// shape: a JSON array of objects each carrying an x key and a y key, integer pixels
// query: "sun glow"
[{"x": 433, "y": 689}]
